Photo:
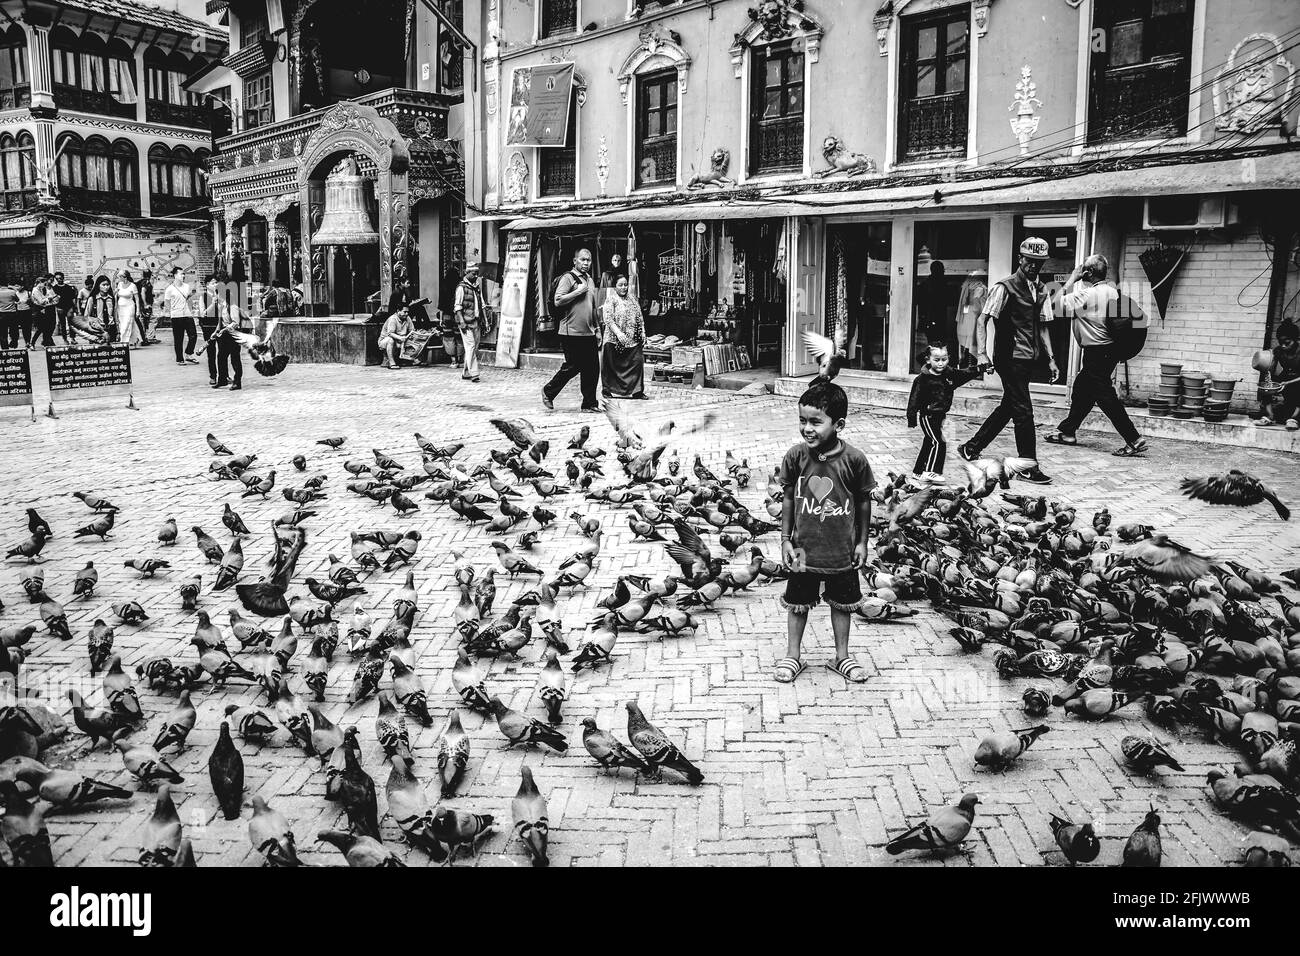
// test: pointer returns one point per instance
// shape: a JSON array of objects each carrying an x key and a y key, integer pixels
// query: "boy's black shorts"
[{"x": 803, "y": 589}]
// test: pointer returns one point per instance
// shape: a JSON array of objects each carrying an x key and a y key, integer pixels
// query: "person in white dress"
[{"x": 127, "y": 294}]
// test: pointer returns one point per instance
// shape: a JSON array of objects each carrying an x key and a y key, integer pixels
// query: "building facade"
[
  {"x": 103, "y": 154},
  {"x": 316, "y": 84},
  {"x": 769, "y": 167}
]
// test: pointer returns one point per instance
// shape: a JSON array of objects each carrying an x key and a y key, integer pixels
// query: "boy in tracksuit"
[{"x": 928, "y": 405}]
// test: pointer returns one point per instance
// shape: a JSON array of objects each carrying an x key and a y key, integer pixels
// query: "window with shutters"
[
  {"x": 1140, "y": 76},
  {"x": 557, "y": 166},
  {"x": 656, "y": 128},
  {"x": 257, "y": 101},
  {"x": 934, "y": 101},
  {"x": 776, "y": 105},
  {"x": 15, "y": 84}
]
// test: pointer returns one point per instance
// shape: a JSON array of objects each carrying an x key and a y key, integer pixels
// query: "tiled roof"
[{"x": 146, "y": 15}]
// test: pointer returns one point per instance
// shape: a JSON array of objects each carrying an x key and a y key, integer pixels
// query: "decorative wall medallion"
[
  {"x": 237, "y": 160},
  {"x": 298, "y": 146},
  {"x": 1025, "y": 123},
  {"x": 1254, "y": 89},
  {"x": 602, "y": 164},
  {"x": 843, "y": 160},
  {"x": 516, "y": 179},
  {"x": 275, "y": 151},
  {"x": 423, "y": 126},
  {"x": 774, "y": 20},
  {"x": 980, "y": 11}
]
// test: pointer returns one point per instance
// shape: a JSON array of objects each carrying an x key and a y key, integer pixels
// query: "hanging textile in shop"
[
  {"x": 838, "y": 317},
  {"x": 540, "y": 99},
  {"x": 547, "y": 266},
  {"x": 633, "y": 272}
]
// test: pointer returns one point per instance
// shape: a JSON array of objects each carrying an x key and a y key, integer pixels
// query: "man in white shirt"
[
  {"x": 1088, "y": 301},
  {"x": 176, "y": 300}
]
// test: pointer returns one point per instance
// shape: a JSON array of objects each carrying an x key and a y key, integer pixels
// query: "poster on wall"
[
  {"x": 106, "y": 251},
  {"x": 514, "y": 298},
  {"x": 540, "y": 98}
]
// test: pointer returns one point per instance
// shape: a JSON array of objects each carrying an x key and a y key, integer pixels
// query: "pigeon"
[
  {"x": 233, "y": 522},
  {"x": 226, "y": 770},
  {"x": 829, "y": 355},
  {"x": 518, "y": 430},
  {"x": 131, "y": 613},
  {"x": 360, "y": 851},
  {"x": 512, "y": 563},
  {"x": 945, "y": 829},
  {"x": 119, "y": 692},
  {"x": 1167, "y": 560},
  {"x": 218, "y": 447},
  {"x": 1077, "y": 842},
  {"x": 390, "y": 728},
  {"x": 161, "y": 840},
  {"x": 269, "y": 833},
  {"x": 189, "y": 592},
  {"x": 100, "y": 642},
  {"x": 550, "y": 686},
  {"x": 229, "y": 566},
  {"x": 251, "y": 723},
  {"x": 95, "y": 723},
  {"x": 316, "y": 670},
  {"x": 33, "y": 546},
  {"x": 178, "y": 725},
  {"x": 36, "y": 524},
  {"x": 469, "y": 684},
  {"x": 259, "y": 486},
  {"x": 331, "y": 442},
  {"x": 1145, "y": 753},
  {"x": 357, "y": 790},
  {"x": 410, "y": 810},
  {"x": 98, "y": 528},
  {"x": 94, "y": 502},
  {"x": 145, "y": 763},
  {"x": 326, "y": 737},
  {"x": 207, "y": 545},
  {"x": 657, "y": 749},
  {"x": 1235, "y": 488},
  {"x": 369, "y": 672},
  {"x": 409, "y": 691},
  {"x": 457, "y": 828},
  {"x": 403, "y": 551},
  {"x": 1143, "y": 846},
  {"x": 528, "y": 809},
  {"x": 999, "y": 751},
  {"x": 299, "y": 462},
  {"x": 332, "y": 593},
  {"x": 453, "y": 754},
  {"x": 609, "y": 751},
  {"x": 1099, "y": 703},
  {"x": 520, "y": 729},
  {"x": 83, "y": 585},
  {"x": 68, "y": 790},
  {"x": 147, "y": 567},
  {"x": 22, "y": 828}
]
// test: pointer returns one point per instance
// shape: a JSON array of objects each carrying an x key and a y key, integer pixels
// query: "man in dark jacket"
[
  {"x": 1020, "y": 310},
  {"x": 575, "y": 305},
  {"x": 63, "y": 308}
]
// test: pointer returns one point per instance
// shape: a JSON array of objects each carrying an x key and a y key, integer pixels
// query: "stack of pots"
[
  {"x": 1216, "y": 407},
  {"x": 1193, "y": 401},
  {"x": 1167, "y": 395}
]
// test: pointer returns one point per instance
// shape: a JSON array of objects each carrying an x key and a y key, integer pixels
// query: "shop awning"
[
  {"x": 1274, "y": 171},
  {"x": 18, "y": 228}
]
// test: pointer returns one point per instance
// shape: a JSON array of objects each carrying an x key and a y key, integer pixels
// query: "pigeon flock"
[{"x": 1097, "y": 621}]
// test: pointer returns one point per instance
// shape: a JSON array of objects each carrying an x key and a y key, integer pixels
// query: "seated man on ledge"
[{"x": 397, "y": 329}]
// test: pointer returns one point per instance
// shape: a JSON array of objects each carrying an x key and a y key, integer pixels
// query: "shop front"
[{"x": 699, "y": 281}]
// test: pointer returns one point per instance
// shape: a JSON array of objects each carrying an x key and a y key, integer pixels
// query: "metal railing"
[{"x": 933, "y": 127}]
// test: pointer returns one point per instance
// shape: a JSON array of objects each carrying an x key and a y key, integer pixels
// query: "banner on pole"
[
  {"x": 514, "y": 298},
  {"x": 97, "y": 369}
]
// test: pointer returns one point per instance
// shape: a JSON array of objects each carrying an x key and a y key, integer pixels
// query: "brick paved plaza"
[{"x": 818, "y": 772}]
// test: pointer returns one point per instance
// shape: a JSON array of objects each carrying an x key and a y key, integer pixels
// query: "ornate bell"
[{"x": 346, "y": 222}]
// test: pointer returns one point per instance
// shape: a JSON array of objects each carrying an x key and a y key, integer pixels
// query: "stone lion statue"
[
  {"x": 719, "y": 163},
  {"x": 843, "y": 160}
]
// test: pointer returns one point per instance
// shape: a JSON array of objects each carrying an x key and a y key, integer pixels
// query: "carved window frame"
[{"x": 652, "y": 55}]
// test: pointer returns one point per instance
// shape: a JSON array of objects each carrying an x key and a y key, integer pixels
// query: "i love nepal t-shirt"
[{"x": 827, "y": 489}]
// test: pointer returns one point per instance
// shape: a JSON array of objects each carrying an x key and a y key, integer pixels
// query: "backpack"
[
  {"x": 1127, "y": 325},
  {"x": 559, "y": 312}
]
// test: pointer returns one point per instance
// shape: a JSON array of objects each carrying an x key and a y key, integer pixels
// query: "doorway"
[
  {"x": 951, "y": 276},
  {"x": 1061, "y": 233},
  {"x": 857, "y": 291}
]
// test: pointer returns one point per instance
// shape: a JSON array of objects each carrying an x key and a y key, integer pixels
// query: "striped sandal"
[
  {"x": 849, "y": 669},
  {"x": 788, "y": 668}
]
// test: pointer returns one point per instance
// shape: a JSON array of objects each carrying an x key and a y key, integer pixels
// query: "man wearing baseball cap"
[{"x": 1019, "y": 308}]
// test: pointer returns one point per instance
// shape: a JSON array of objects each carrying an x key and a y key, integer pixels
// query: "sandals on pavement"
[
  {"x": 1060, "y": 438},
  {"x": 1131, "y": 451},
  {"x": 788, "y": 668},
  {"x": 849, "y": 669}
]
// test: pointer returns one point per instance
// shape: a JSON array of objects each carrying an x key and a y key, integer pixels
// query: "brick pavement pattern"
[{"x": 814, "y": 773}]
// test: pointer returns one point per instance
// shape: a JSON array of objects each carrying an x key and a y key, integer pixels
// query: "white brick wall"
[{"x": 1205, "y": 328}]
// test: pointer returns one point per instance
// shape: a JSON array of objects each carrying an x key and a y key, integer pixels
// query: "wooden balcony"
[
  {"x": 178, "y": 114},
  {"x": 16, "y": 97},
  {"x": 95, "y": 200},
  {"x": 69, "y": 97},
  {"x": 1145, "y": 101},
  {"x": 933, "y": 127}
]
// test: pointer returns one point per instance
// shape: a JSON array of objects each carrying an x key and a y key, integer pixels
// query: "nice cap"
[{"x": 1034, "y": 248}]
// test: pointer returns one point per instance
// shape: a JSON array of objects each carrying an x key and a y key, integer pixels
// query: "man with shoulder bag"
[
  {"x": 574, "y": 301},
  {"x": 1110, "y": 328}
]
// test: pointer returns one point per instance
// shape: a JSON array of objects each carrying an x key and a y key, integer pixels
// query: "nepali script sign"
[
  {"x": 15, "y": 378},
  {"x": 514, "y": 298},
  {"x": 540, "y": 100},
  {"x": 88, "y": 371}
]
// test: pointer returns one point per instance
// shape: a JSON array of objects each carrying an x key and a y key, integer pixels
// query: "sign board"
[
  {"x": 15, "y": 378},
  {"x": 105, "y": 369},
  {"x": 540, "y": 99},
  {"x": 78, "y": 253},
  {"x": 514, "y": 298}
]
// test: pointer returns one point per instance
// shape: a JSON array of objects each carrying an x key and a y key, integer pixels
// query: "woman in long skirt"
[
  {"x": 128, "y": 307},
  {"x": 622, "y": 362}
]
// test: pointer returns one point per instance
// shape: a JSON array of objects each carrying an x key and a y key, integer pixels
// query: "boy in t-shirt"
[{"x": 825, "y": 516}]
